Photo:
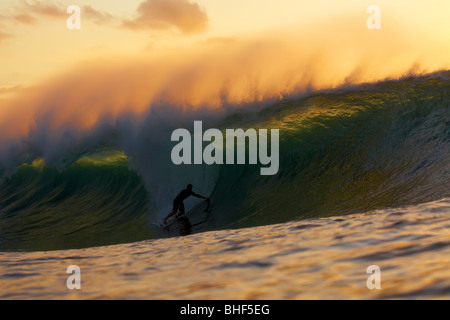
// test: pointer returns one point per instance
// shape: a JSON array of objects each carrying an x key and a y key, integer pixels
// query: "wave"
[
  {"x": 92, "y": 202},
  {"x": 345, "y": 151}
]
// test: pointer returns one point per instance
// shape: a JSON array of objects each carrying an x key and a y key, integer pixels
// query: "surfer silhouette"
[{"x": 178, "y": 201}]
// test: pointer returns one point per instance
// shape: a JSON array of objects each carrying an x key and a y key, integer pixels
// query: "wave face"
[
  {"x": 348, "y": 151},
  {"x": 92, "y": 202}
]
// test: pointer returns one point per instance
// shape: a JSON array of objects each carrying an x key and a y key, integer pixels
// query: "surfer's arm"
[{"x": 198, "y": 196}]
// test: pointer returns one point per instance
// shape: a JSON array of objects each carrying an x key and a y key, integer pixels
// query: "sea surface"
[{"x": 323, "y": 258}]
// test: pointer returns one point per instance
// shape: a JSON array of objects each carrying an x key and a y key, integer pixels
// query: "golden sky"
[{"x": 35, "y": 43}]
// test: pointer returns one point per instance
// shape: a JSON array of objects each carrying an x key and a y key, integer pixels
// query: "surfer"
[{"x": 178, "y": 201}]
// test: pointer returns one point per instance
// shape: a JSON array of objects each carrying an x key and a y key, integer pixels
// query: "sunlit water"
[{"x": 318, "y": 258}]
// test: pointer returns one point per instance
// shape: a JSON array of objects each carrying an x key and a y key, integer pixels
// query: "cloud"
[
  {"x": 4, "y": 36},
  {"x": 17, "y": 19},
  {"x": 53, "y": 10},
  {"x": 185, "y": 16},
  {"x": 9, "y": 89},
  {"x": 219, "y": 41},
  {"x": 96, "y": 16},
  {"x": 46, "y": 9},
  {"x": 24, "y": 19}
]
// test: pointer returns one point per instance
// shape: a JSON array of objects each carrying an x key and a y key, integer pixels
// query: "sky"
[
  {"x": 195, "y": 53},
  {"x": 35, "y": 42},
  {"x": 32, "y": 50}
]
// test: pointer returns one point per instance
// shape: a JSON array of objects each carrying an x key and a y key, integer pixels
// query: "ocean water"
[
  {"x": 364, "y": 180},
  {"x": 323, "y": 258}
]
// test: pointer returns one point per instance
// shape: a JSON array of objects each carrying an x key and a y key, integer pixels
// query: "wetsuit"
[{"x": 183, "y": 195}]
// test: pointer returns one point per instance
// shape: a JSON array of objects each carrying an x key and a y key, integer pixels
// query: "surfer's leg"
[
  {"x": 170, "y": 214},
  {"x": 176, "y": 205},
  {"x": 180, "y": 209}
]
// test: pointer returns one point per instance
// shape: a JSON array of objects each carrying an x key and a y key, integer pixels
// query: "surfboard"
[{"x": 160, "y": 223}]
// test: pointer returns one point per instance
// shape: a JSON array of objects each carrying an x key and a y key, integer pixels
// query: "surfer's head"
[{"x": 189, "y": 186}]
